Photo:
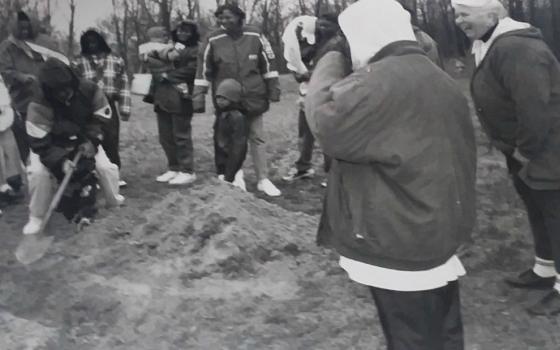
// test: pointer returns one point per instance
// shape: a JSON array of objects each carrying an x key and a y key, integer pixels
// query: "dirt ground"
[{"x": 210, "y": 267}]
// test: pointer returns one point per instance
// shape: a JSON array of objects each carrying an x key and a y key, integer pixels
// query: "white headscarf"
[
  {"x": 292, "y": 52},
  {"x": 476, "y": 3},
  {"x": 370, "y": 25}
]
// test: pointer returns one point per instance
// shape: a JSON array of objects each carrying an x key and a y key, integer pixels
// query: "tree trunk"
[{"x": 72, "y": 4}]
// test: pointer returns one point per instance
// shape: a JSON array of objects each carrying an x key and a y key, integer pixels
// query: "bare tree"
[{"x": 72, "y": 4}]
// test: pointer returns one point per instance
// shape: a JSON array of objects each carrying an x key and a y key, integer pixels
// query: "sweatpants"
[
  {"x": 257, "y": 146},
  {"x": 175, "y": 137},
  {"x": 543, "y": 210},
  {"x": 231, "y": 132},
  {"x": 43, "y": 185},
  {"x": 423, "y": 320},
  {"x": 111, "y": 131},
  {"x": 306, "y": 142}
]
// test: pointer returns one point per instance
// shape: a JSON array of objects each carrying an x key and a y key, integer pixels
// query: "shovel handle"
[{"x": 59, "y": 193}]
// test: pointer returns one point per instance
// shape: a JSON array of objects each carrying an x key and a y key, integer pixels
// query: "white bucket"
[{"x": 141, "y": 84}]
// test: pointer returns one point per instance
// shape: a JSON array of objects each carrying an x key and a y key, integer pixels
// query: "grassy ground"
[{"x": 209, "y": 267}]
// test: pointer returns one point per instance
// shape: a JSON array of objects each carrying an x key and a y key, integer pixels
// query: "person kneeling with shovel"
[{"x": 64, "y": 125}]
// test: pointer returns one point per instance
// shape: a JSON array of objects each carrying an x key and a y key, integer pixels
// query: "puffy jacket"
[
  {"x": 55, "y": 130},
  {"x": 402, "y": 184},
  {"x": 516, "y": 90},
  {"x": 248, "y": 59}
]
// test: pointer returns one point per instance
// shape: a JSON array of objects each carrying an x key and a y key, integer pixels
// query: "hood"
[
  {"x": 230, "y": 89},
  {"x": 193, "y": 41},
  {"x": 103, "y": 46},
  {"x": 19, "y": 17},
  {"x": 55, "y": 74},
  {"x": 292, "y": 51},
  {"x": 371, "y": 25},
  {"x": 506, "y": 27}
]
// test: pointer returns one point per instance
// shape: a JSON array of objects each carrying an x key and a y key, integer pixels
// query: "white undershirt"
[{"x": 404, "y": 281}]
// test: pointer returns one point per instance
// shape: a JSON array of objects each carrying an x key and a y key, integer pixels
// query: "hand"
[
  {"x": 125, "y": 116},
  {"x": 273, "y": 91},
  {"x": 517, "y": 155},
  {"x": 88, "y": 149},
  {"x": 199, "y": 103},
  {"x": 173, "y": 55},
  {"x": 28, "y": 78},
  {"x": 68, "y": 166}
]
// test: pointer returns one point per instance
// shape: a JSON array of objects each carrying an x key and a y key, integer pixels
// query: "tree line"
[{"x": 126, "y": 28}]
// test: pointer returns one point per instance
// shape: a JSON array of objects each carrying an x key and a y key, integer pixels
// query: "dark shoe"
[
  {"x": 294, "y": 175},
  {"x": 547, "y": 306},
  {"x": 529, "y": 279}
]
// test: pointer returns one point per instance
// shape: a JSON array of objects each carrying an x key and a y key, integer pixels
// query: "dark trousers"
[
  {"x": 175, "y": 137},
  {"x": 20, "y": 134},
  {"x": 111, "y": 132},
  {"x": 424, "y": 320},
  {"x": 543, "y": 210},
  {"x": 306, "y": 142},
  {"x": 231, "y": 133}
]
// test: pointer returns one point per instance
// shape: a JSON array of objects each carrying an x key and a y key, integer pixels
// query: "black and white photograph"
[{"x": 280, "y": 174}]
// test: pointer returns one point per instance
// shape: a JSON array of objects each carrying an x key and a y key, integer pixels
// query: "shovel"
[{"x": 34, "y": 247}]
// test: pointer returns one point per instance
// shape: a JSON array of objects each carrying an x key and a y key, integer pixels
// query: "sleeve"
[
  {"x": 205, "y": 69},
  {"x": 102, "y": 114},
  {"x": 526, "y": 74},
  {"x": 7, "y": 67},
  {"x": 39, "y": 125},
  {"x": 344, "y": 130},
  {"x": 125, "y": 101},
  {"x": 267, "y": 65}
]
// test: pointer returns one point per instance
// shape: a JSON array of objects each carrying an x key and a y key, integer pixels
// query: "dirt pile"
[{"x": 214, "y": 268}]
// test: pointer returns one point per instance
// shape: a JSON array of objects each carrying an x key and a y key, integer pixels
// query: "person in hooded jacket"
[
  {"x": 65, "y": 116},
  {"x": 98, "y": 64},
  {"x": 400, "y": 200},
  {"x": 19, "y": 65},
  {"x": 516, "y": 90},
  {"x": 236, "y": 51},
  {"x": 173, "y": 104}
]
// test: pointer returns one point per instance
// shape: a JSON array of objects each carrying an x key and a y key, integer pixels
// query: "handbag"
[{"x": 141, "y": 83}]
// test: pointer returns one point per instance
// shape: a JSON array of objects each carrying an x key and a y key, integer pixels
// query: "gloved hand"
[
  {"x": 68, "y": 166},
  {"x": 88, "y": 149},
  {"x": 199, "y": 103}
]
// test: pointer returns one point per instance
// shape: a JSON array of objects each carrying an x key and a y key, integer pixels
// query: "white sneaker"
[
  {"x": 238, "y": 181},
  {"x": 221, "y": 177},
  {"x": 182, "y": 179},
  {"x": 120, "y": 199},
  {"x": 167, "y": 176},
  {"x": 122, "y": 183},
  {"x": 268, "y": 188},
  {"x": 33, "y": 226}
]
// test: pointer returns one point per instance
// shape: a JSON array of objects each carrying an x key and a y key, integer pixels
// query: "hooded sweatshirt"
[
  {"x": 516, "y": 90},
  {"x": 401, "y": 187}
]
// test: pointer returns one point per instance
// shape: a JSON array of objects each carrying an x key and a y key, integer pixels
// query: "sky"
[{"x": 89, "y": 12}]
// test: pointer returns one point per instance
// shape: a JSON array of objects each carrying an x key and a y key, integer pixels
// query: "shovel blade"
[{"x": 32, "y": 248}]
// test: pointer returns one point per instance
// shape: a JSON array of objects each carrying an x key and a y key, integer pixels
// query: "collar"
[
  {"x": 398, "y": 48},
  {"x": 489, "y": 33}
]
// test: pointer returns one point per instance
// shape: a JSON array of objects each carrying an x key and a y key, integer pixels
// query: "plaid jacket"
[{"x": 109, "y": 72}]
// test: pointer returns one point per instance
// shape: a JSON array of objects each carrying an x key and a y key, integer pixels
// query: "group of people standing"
[{"x": 395, "y": 130}]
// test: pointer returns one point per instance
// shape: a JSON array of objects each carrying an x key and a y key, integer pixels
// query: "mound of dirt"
[{"x": 212, "y": 268}]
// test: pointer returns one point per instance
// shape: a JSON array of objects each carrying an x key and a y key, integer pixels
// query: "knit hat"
[
  {"x": 230, "y": 89},
  {"x": 55, "y": 74},
  {"x": 370, "y": 25}
]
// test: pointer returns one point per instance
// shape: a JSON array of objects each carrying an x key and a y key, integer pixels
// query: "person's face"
[
  {"x": 184, "y": 34},
  {"x": 474, "y": 22},
  {"x": 326, "y": 29},
  {"x": 63, "y": 95},
  {"x": 229, "y": 20},
  {"x": 92, "y": 43},
  {"x": 222, "y": 102},
  {"x": 24, "y": 30}
]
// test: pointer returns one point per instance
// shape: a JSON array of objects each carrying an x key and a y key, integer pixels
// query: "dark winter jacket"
[
  {"x": 55, "y": 129},
  {"x": 401, "y": 187},
  {"x": 173, "y": 90},
  {"x": 248, "y": 59},
  {"x": 18, "y": 64},
  {"x": 516, "y": 89}
]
